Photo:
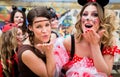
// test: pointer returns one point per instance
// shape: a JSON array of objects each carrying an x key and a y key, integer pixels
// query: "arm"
[
  {"x": 47, "y": 48},
  {"x": 34, "y": 63},
  {"x": 50, "y": 65},
  {"x": 102, "y": 63}
]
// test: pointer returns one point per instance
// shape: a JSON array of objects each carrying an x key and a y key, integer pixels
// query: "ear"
[
  {"x": 23, "y": 9},
  {"x": 14, "y": 7},
  {"x": 30, "y": 28}
]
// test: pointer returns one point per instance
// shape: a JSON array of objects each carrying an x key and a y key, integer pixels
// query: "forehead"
[
  {"x": 90, "y": 8},
  {"x": 40, "y": 19},
  {"x": 18, "y": 14}
]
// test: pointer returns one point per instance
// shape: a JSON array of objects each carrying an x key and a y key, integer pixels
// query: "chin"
[{"x": 45, "y": 41}]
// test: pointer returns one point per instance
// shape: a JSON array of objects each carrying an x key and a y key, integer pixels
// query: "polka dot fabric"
[{"x": 110, "y": 50}]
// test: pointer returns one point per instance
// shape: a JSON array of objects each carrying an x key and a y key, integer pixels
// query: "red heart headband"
[
  {"x": 8, "y": 27},
  {"x": 101, "y": 2}
]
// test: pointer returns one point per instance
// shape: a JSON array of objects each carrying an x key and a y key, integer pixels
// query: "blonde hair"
[
  {"x": 105, "y": 23},
  {"x": 8, "y": 44}
]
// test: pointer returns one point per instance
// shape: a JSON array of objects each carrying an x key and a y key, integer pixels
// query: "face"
[
  {"x": 42, "y": 29},
  {"x": 18, "y": 19},
  {"x": 90, "y": 19},
  {"x": 19, "y": 36},
  {"x": 54, "y": 23}
]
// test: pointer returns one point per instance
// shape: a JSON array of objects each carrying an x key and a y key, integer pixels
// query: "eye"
[
  {"x": 95, "y": 14},
  {"x": 47, "y": 25},
  {"x": 52, "y": 19},
  {"x": 84, "y": 14},
  {"x": 39, "y": 26}
]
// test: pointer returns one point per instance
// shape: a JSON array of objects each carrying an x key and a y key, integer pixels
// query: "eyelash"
[{"x": 94, "y": 14}]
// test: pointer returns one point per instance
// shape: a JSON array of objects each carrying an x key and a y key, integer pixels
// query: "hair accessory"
[
  {"x": 101, "y": 2},
  {"x": 15, "y": 8},
  {"x": 91, "y": 0},
  {"x": 23, "y": 9},
  {"x": 8, "y": 27},
  {"x": 52, "y": 12}
]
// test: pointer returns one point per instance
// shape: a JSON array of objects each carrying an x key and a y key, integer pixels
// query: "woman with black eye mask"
[{"x": 90, "y": 51}]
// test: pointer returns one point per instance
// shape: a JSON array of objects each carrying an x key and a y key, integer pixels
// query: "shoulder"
[
  {"x": 27, "y": 54},
  {"x": 67, "y": 43},
  {"x": 23, "y": 48}
]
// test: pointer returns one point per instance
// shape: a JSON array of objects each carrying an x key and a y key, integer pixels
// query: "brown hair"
[{"x": 40, "y": 11}]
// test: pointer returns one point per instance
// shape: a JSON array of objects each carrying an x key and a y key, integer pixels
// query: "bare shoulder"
[
  {"x": 67, "y": 43},
  {"x": 28, "y": 56}
]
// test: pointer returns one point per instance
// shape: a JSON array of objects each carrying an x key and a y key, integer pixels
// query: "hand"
[
  {"x": 93, "y": 37},
  {"x": 45, "y": 48}
]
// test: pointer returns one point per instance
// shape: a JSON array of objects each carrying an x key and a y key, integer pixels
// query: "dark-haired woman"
[
  {"x": 36, "y": 59},
  {"x": 90, "y": 51},
  {"x": 19, "y": 17},
  {"x": 54, "y": 23}
]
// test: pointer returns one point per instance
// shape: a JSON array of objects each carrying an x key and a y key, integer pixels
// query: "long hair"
[
  {"x": 24, "y": 26},
  {"x": 105, "y": 23},
  {"x": 8, "y": 45}
]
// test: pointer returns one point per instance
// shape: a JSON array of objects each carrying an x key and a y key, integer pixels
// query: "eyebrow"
[{"x": 40, "y": 21}]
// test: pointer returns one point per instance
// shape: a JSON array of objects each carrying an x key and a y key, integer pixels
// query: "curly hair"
[
  {"x": 105, "y": 23},
  {"x": 8, "y": 45}
]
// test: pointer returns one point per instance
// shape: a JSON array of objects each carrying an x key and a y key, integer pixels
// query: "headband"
[
  {"x": 15, "y": 8},
  {"x": 101, "y": 2}
]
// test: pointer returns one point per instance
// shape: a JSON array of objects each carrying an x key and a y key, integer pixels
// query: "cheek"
[
  {"x": 96, "y": 21},
  {"x": 83, "y": 19},
  {"x": 15, "y": 20}
]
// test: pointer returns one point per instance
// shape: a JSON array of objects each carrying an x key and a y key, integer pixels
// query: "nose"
[
  {"x": 88, "y": 18},
  {"x": 44, "y": 30}
]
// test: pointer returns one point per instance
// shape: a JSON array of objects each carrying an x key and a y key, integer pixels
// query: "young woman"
[
  {"x": 36, "y": 59},
  {"x": 54, "y": 23},
  {"x": 19, "y": 17},
  {"x": 90, "y": 51},
  {"x": 8, "y": 51}
]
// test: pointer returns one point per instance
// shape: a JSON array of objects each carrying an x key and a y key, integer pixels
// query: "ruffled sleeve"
[{"x": 110, "y": 50}]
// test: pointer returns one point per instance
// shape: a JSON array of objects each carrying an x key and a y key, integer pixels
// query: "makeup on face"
[
  {"x": 90, "y": 19},
  {"x": 18, "y": 18}
]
